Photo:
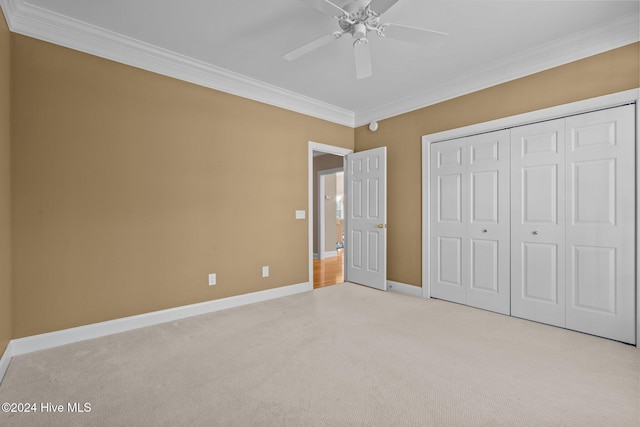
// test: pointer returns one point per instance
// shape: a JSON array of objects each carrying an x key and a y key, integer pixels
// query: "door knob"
[
  {"x": 534, "y": 233},
  {"x": 484, "y": 231},
  {"x": 381, "y": 226}
]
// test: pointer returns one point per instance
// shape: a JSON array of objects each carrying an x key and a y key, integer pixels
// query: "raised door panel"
[
  {"x": 449, "y": 198},
  {"x": 484, "y": 197},
  {"x": 600, "y": 248},
  {"x": 373, "y": 248},
  {"x": 446, "y": 157},
  {"x": 538, "y": 222},
  {"x": 593, "y": 279},
  {"x": 484, "y": 264},
  {"x": 449, "y": 261},
  {"x": 374, "y": 182},
  {"x": 539, "y": 192},
  {"x": 593, "y": 192},
  {"x": 539, "y": 272},
  {"x": 356, "y": 249}
]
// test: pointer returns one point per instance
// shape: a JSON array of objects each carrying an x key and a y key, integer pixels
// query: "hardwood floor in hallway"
[{"x": 329, "y": 271}]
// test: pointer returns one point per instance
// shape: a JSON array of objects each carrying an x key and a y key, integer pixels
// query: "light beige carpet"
[{"x": 344, "y": 355}]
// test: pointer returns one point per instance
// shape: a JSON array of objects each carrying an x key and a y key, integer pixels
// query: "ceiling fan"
[{"x": 357, "y": 18}]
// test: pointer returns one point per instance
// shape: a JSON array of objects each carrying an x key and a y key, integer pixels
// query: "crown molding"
[
  {"x": 33, "y": 21},
  {"x": 608, "y": 36}
]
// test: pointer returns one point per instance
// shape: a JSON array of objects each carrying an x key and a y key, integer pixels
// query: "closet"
[{"x": 538, "y": 221}]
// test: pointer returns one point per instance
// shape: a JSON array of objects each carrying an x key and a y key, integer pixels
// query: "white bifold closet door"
[
  {"x": 470, "y": 221},
  {"x": 573, "y": 223},
  {"x": 538, "y": 222},
  {"x": 600, "y": 250}
]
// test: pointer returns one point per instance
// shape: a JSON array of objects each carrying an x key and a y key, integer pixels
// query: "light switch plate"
[
  {"x": 212, "y": 279},
  {"x": 301, "y": 214},
  {"x": 265, "y": 271}
]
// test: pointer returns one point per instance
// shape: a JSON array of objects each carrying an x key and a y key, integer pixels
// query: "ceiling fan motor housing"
[
  {"x": 360, "y": 19},
  {"x": 359, "y": 31}
]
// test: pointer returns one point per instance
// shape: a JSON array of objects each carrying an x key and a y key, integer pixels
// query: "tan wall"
[
  {"x": 5, "y": 193},
  {"x": 609, "y": 72},
  {"x": 321, "y": 163},
  {"x": 130, "y": 187}
]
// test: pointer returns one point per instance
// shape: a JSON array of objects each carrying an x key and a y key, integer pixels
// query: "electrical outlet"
[
  {"x": 212, "y": 279},
  {"x": 265, "y": 271}
]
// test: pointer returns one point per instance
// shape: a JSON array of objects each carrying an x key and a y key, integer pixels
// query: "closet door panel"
[
  {"x": 600, "y": 201},
  {"x": 448, "y": 220},
  {"x": 489, "y": 222},
  {"x": 538, "y": 222}
]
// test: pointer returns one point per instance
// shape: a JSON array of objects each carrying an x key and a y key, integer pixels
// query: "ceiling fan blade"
[
  {"x": 362, "y": 55},
  {"x": 381, "y": 6},
  {"x": 325, "y": 6},
  {"x": 311, "y": 46},
  {"x": 428, "y": 38}
]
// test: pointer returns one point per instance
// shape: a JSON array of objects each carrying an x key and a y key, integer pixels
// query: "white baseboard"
[
  {"x": 4, "y": 360},
  {"x": 67, "y": 336},
  {"x": 403, "y": 288},
  {"x": 330, "y": 253}
]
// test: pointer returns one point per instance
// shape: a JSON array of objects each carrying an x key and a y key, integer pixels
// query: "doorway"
[
  {"x": 328, "y": 263},
  {"x": 329, "y": 209},
  {"x": 326, "y": 245}
]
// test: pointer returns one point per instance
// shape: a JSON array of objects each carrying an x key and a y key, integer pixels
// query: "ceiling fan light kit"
[{"x": 358, "y": 18}]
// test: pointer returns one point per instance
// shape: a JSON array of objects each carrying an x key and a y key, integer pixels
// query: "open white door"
[{"x": 366, "y": 225}]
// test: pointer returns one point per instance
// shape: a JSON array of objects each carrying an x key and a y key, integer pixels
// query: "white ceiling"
[{"x": 237, "y": 46}]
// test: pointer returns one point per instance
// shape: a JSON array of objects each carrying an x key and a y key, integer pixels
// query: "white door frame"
[
  {"x": 327, "y": 149},
  {"x": 606, "y": 101},
  {"x": 321, "y": 217}
]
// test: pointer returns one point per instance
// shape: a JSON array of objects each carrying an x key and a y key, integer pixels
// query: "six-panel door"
[
  {"x": 449, "y": 219},
  {"x": 487, "y": 239},
  {"x": 600, "y": 232},
  {"x": 366, "y": 196},
  {"x": 470, "y": 221},
  {"x": 538, "y": 222}
]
